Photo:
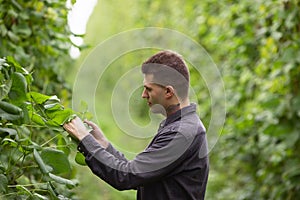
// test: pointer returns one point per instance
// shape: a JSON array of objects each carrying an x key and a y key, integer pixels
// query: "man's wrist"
[
  {"x": 83, "y": 135},
  {"x": 106, "y": 144}
]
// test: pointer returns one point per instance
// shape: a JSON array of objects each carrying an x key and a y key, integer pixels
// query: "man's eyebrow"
[{"x": 147, "y": 87}]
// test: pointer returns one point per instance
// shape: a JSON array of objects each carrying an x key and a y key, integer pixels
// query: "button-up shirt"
[{"x": 173, "y": 166}]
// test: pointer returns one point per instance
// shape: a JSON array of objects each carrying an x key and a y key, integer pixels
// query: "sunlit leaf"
[
  {"x": 53, "y": 106},
  {"x": 53, "y": 99},
  {"x": 36, "y": 118},
  {"x": 59, "y": 117},
  {"x": 38, "y": 97}
]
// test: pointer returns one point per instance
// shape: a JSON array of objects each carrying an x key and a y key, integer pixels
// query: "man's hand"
[
  {"x": 76, "y": 128},
  {"x": 98, "y": 134}
]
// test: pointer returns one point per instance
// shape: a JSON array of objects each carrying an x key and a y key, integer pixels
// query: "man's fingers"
[
  {"x": 68, "y": 127},
  {"x": 92, "y": 124},
  {"x": 75, "y": 119},
  {"x": 88, "y": 122}
]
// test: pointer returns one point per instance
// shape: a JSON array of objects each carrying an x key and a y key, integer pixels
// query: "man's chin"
[{"x": 158, "y": 109}]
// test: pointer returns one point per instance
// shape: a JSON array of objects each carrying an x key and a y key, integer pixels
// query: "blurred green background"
[{"x": 256, "y": 46}]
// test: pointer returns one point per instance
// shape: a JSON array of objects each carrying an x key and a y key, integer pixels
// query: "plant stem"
[
  {"x": 48, "y": 141},
  {"x": 26, "y": 185}
]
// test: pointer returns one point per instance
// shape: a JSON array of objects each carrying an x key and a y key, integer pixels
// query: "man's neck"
[
  {"x": 175, "y": 107},
  {"x": 172, "y": 109}
]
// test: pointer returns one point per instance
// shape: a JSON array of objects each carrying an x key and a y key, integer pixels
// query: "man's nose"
[{"x": 145, "y": 94}]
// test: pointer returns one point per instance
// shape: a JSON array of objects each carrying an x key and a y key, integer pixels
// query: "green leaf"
[
  {"x": 17, "y": 5},
  {"x": 18, "y": 89},
  {"x": 10, "y": 108},
  {"x": 19, "y": 68},
  {"x": 275, "y": 130},
  {"x": 36, "y": 118},
  {"x": 53, "y": 106},
  {"x": 51, "y": 189},
  {"x": 62, "y": 180},
  {"x": 3, "y": 183},
  {"x": 7, "y": 131},
  {"x": 58, "y": 117},
  {"x": 10, "y": 142},
  {"x": 7, "y": 116},
  {"x": 23, "y": 30},
  {"x": 71, "y": 117},
  {"x": 39, "y": 196},
  {"x": 4, "y": 88},
  {"x": 3, "y": 30},
  {"x": 62, "y": 145},
  {"x": 292, "y": 172},
  {"x": 13, "y": 37},
  {"x": 2, "y": 61},
  {"x": 43, "y": 167},
  {"x": 296, "y": 105},
  {"x": 53, "y": 99},
  {"x": 38, "y": 97},
  {"x": 57, "y": 159},
  {"x": 23, "y": 190},
  {"x": 80, "y": 159}
]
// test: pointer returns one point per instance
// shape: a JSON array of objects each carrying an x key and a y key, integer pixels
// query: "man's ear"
[{"x": 169, "y": 91}]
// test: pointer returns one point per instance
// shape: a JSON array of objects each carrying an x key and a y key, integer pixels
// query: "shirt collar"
[{"x": 179, "y": 113}]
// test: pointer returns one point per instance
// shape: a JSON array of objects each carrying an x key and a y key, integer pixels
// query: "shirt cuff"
[{"x": 88, "y": 144}]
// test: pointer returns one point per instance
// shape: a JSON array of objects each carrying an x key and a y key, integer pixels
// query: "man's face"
[{"x": 154, "y": 94}]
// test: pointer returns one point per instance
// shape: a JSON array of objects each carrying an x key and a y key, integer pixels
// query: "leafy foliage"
[
  {"x": 36, "y": 34},
  {"x": 27, "y": 167},
  {"x": 260, "y": 63},
  {"x": 255, "y": 45},
  {"x": 34, "y": 161}
]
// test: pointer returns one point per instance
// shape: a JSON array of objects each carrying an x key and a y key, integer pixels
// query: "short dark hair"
[{"x": 169, "y": 68}]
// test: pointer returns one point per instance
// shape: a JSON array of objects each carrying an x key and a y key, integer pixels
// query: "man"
[{"x": 175, "y": 163}]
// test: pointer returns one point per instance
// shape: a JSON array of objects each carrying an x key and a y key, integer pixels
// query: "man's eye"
[{"x": 147, "y": 89}]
